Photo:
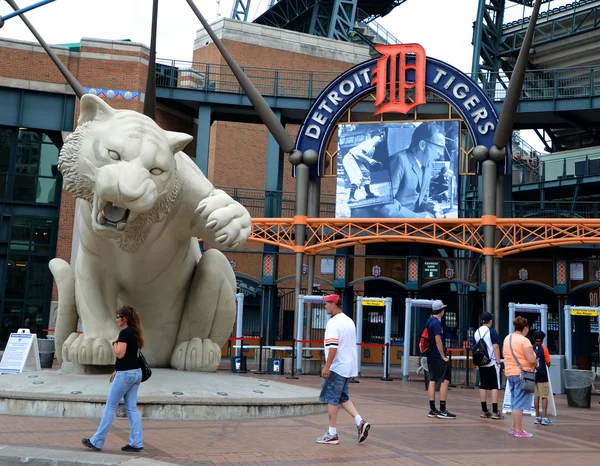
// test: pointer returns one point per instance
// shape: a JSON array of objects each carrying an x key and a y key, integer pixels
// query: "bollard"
[
  {"x": 241, "y": 371},
  {"x": 450, "y": 369},
  {"x": 293, "y": 360}
]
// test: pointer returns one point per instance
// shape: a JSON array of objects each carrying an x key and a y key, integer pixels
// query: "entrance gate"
[
  {"x": 541, "y": 309},
  {"x": 387, "y": 333},
  {"x": 410, "y": 303},
  {"x": 569, "y": 312}
]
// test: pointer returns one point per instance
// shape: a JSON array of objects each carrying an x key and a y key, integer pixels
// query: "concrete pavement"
[{"x": 402, "y": 434}]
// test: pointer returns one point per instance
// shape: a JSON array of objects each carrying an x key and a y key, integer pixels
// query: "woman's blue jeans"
[{"x": 125, "y": 385}]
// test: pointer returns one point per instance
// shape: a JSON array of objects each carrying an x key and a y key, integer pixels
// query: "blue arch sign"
[{"x": 455, "y": 87}]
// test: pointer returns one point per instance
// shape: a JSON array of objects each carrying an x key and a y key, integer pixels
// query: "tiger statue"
[{"x": 143, "y": 204}]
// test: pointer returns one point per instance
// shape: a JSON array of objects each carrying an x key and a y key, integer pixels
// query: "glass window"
[
  {"x": 16, "y": 277},
  {"x": 48, "y": 158},
  {"x": 38, "y": 277},
  {"x": 25, "y": 188},
  {"x": 28, "y": 152},
  {"x": 6, "y": 135},
  {"x": 32, "y": 318},
  {"x": 45, "y": 192},
  {"x": 2, "y": 185},
  {"x": 11, "y": 319},
  {"x": 20, "y": 237},
  {"x": 42, "y": 234}
]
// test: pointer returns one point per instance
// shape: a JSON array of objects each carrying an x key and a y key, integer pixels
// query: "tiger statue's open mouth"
[{"x": 109, "y": 216}]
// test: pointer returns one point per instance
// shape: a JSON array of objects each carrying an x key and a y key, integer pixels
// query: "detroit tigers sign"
[{"x": 399, "y": 68}]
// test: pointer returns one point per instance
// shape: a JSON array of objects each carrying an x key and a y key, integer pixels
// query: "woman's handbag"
[
  {"x": 146, "y": 371},
  {"x": 527, "y": 377}
]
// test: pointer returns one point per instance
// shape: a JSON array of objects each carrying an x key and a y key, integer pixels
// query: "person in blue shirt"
[{"x": 437, "y": 363}]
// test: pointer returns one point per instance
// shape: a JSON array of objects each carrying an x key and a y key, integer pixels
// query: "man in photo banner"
[
  {"x": 359, "y": 162},
  {"x": 411, "y": 171}
]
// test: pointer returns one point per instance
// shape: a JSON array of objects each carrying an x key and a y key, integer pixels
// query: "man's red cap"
[{"x": 332, "y": 298}]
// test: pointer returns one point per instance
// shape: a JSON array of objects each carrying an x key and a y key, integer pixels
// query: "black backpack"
[{"x": 481, "y": 355}]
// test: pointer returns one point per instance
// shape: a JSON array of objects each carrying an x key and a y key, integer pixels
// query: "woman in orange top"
[{"x": 524, "y": 353}]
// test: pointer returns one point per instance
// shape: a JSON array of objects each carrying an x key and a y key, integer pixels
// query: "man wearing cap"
[
  {"x": 489, "y": 375},
  {"x": 437, "y": 363},
  {"x": 340, "y": 366}
]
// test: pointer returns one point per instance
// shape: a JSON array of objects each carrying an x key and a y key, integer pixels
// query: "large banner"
[{"x": 398, "y": 170}]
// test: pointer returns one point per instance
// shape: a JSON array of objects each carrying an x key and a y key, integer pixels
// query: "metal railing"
[
  {"x": 561, "y": 9},
  {"x": 260, "y": 203},
  {"x": 559, "y": 168},
  {"x": 537, "y": 209},
  {"x": 371, "y": 23},
  {"x": 564, "y": 83}
]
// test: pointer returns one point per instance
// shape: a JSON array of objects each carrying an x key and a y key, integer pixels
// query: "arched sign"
[{"x": 469, "y": 100}]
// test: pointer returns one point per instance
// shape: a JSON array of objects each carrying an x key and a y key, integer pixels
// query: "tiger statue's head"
[{"x": 123, "y": 164}]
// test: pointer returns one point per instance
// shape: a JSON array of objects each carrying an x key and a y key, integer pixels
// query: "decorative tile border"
[{"x": 113, "y": 93}]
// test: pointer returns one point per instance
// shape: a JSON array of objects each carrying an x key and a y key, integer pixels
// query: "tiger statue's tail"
[{"x": 66, "y": 318}]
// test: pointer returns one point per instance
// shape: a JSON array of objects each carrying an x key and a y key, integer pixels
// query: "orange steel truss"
[{"x": 516, "y": 234}]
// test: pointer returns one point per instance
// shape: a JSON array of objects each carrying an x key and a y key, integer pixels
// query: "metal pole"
[
  {"x": 407, "y": 325},
  {"x": 387, "y": 338},
  {"x": 314, "y": 195},
  {"x": 544, "y": 312},
  {"x": 496, "y": 277},
  {"x": 77, "y": 88},
  {"x": 359, "y": 325},
  {"x": 511, "y": 317},
  {"x": 258, "y": 102},
  {"x": 488, "y": 169},
  {"x": 302, "y": 172},
  {"x": 240, "y": 321},
  {"x": 150, "y": 97},
  {"x": 299, "y": 327},
  {"x": 568, "y": 344}
]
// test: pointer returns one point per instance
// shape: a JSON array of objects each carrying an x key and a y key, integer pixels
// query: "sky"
[{"x": 446, "y": 35}]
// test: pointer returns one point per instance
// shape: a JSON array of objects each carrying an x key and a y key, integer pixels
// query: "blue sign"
[{"x": 455, "y": 87}]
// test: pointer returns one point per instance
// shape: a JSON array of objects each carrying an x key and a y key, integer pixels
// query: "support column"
[
  {"x": 274, "y": 174},
  {"x": 499, "y": 214},
  {"x": 489, "y": 230},
  {"x": 314, "y": 196},
  {"x": 203, "y": 137}
]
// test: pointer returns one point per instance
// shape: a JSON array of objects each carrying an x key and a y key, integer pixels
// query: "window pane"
[
  {"x": 25, "y": 188},
  {"x": 32, "y": 318},
  {"x": 42, "y": 234},
  {"x": 38, "y": 277},
  {"x": 48, "y": 158},
  {"x": 11, "y": 319},
  {"x": 16, "y": 277},
  {"x": 28, "y": 152},
  {"x": 45, "y": 190},
  {"x": 2, "y": 185},
  {"x": 6, "y": 135},
  {"x": 20, "y": 237}
]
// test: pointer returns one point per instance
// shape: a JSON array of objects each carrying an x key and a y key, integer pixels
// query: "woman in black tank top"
[{"x": 125, "y": 382}]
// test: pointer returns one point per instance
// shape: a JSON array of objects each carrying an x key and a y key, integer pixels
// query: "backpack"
[
  {"x": 425, "y": 342},
  {"x": 481, "y": 355}
]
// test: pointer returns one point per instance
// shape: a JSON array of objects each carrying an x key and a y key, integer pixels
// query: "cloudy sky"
[{"x": 443, "y": 27}]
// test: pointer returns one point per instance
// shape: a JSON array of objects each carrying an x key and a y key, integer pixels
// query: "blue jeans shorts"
[
  {"x": 519, "y": 400},
  {"x": 334, "y": 390}
]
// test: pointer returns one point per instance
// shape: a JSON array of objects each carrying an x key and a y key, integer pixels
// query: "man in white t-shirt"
[
  {"x": 340, "y": 366},
  {"x": 489, "y": 375}
]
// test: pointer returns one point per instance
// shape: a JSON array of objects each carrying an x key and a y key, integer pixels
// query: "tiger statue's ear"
[
  {"x": 94, "y": 108},
  {"x": 178, "y": 141}
]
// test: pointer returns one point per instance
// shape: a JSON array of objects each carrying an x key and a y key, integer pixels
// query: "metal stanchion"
[
  {"x": 468, "y": 369},
  {"x": 386, "y": 363},
  {"x": 293, "y": 361},
  {"x": 450, "y": 366},
  {"x": 241, "y": 356},
  {"x": 260, "y": 354}
]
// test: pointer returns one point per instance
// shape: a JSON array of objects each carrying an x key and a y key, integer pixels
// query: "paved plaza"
[{"x": 402, "y": 434}]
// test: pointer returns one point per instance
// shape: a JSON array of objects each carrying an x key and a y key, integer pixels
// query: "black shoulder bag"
[{"x": 146, "y": 371}]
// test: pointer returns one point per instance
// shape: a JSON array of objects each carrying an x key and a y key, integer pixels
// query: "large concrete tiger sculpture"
[{"x": 144, "y": 203}]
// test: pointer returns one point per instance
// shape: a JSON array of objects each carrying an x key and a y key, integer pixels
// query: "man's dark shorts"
[
  {"x": 489, "y": 378},
  {"x": 439, "y": 370},
  {"x": 334, "y": 390}
]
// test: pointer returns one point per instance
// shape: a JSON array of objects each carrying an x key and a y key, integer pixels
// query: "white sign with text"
[{"x": 21, "y": 353}]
